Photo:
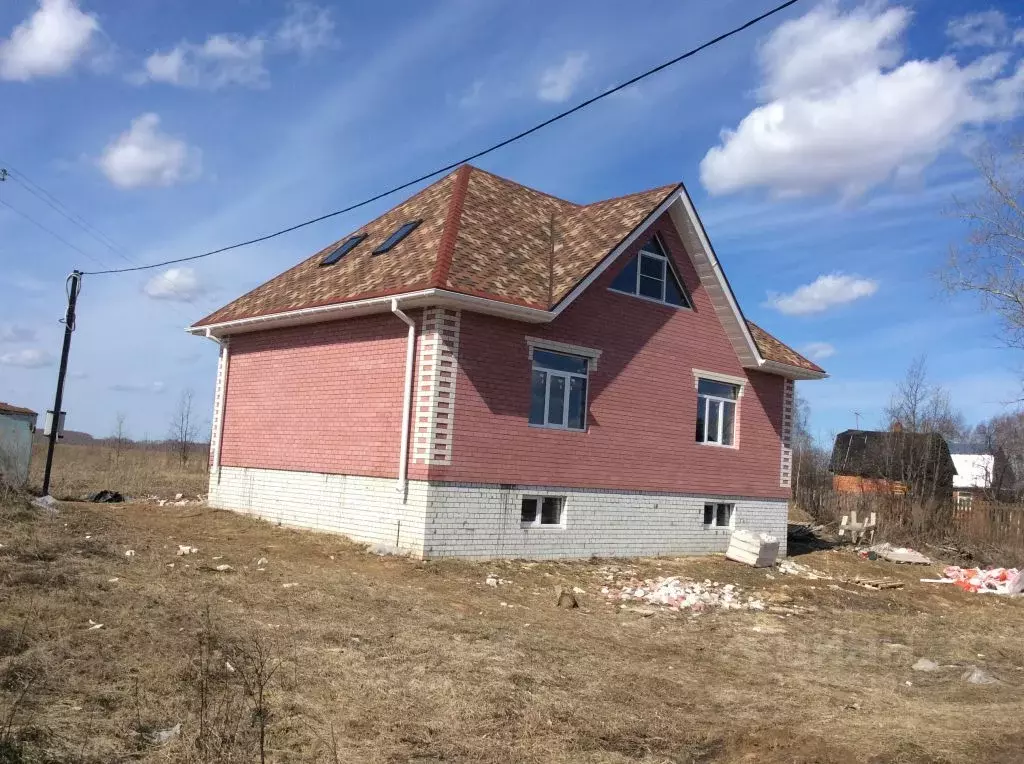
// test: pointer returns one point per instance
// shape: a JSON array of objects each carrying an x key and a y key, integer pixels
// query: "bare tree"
[
  {"x": 120, "y": 438},
  {"x": 919, "y": 406},
  {"x": 990, "y": 264},
  {"x": 184, "y": 431}
]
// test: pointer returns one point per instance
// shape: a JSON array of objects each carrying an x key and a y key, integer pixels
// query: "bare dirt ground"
[{"x": 385, "y": 659}]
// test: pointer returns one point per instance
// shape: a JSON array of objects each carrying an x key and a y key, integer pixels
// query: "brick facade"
[
  {"x": 642, "y": 402},
  {"x": 312, "y": 429},
  {"x": 323, "y": 398}
]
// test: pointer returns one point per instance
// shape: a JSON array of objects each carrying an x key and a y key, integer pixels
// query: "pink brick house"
[{"x": 490, "y": 371}]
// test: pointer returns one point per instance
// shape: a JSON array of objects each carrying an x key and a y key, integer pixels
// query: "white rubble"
[{"x": 681, "y": 594}]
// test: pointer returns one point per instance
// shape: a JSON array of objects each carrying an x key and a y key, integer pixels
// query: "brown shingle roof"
[
  {"x": 772, "y": 349},
  {"x": 7, "y": 408},
  {"x": 481, "y": 235}
]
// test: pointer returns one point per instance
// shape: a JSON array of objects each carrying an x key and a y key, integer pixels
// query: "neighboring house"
[
  {"x": 16, "y": 427},
  {"x": 975, "y": 468},
  {"x": 489, "y": 371},
  {"x": 892, "y": 462}
]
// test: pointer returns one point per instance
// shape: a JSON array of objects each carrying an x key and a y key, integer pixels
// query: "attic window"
[
  {"x": 650, "y": 276},
  {"x": 400, "y": 233},
  {"x": 343, "y": 249}
]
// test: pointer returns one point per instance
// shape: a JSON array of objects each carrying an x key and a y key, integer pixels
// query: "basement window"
[
  {"x": 400, "y": 233},
  {"x": 718, "y": 515},
  {"x": 542, "y": 511},
  {"x": 343, "y": 249}
]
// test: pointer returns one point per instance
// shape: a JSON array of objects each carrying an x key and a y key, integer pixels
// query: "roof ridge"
[
  {"x": 452, "y": 221},
  {"x": 523, "y": 185},
  {"x": 635, "y": 193}
]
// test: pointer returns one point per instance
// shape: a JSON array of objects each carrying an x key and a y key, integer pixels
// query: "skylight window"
[
  {"x": 343, "y": 249},
  {"x": 400, "y": 233}
]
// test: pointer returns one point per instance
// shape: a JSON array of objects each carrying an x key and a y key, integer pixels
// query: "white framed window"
[
  {"x": 558, "y": 390},
  {"x": 718, "y": 515},
  {"x": 650, "y": 276},
  {"x": 716, "y": 412},
  {"x": 542, "y": 512}
]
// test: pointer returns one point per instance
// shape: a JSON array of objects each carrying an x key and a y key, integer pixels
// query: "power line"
[
  {"x": 490, "y": 149},
  {"x": 57, "y": 236},
  {"x": 64, "y": 211}
]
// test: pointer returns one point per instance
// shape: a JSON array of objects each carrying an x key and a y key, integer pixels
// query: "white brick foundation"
[
  {"x": 482, "y": 521},
  {"x": 368, "y": 510}
]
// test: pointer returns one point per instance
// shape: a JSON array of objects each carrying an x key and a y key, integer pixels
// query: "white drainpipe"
[{"x": 403, "y": 459}]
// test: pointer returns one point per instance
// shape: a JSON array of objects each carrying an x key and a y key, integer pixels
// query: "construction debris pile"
[
  {"x": 791, "y": 568},
  {"x": 680, "y": 594},
  {"x": 984, "y": 580}
]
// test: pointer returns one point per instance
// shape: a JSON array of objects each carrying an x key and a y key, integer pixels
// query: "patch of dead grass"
[{"x": 391, "y": 659}]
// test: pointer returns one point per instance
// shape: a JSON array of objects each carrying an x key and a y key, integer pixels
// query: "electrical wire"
[
  {"x": 483, "y": 152},
  {"x": 57, "y": 236},
  {"x": 64, "y": 211},
  {"x": 61, "y": 209}
]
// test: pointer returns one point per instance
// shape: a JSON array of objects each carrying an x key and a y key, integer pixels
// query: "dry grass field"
[
  {"x": 136, "y": 470},
  {"x": 361, "y": 658}
]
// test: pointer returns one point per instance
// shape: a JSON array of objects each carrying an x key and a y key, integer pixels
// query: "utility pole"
[
  {"x": 856, "y": 418},
  {"x": 74, "y": 286}
]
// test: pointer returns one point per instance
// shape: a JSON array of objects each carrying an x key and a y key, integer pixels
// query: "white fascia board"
[
  {"x": 611, "y": 257},
  {"x": 715, "y": 282},
  {"x": 420, "y": 299}
]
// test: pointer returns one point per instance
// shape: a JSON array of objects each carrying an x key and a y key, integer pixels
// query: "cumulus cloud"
[
  {"x": 225, "y": 60},
  {"x": 16, "y": 333},
  {"x": 840, "y": 112},
  {"x": 138, "y": 387},
  {"x": 178, "y": 284},
  {"x": 145, "y": 156},
  {"x": 27, "y": 358},
  {"x": 558, "y": 82},
  {"x": 48, "y": 43},
  {"x": 823, "y": 293},
  {"x": 220, "y": 61},
  {"x": 818, "y": 351},
  {"x": 988, "y": 29},
  {"x": 307, "y": 28}
]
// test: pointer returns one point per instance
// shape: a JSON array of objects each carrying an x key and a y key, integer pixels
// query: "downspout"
[
  {"x": 221, "y": 396},
  {"x": 410, "y": 346}
]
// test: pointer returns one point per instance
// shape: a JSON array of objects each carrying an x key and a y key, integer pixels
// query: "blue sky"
[{"x": 821, "y": 148}]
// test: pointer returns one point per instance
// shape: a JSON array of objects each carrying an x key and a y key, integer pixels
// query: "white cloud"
[
  {"x": 988, "y": 29},
  {"x": 307, "y": 28},
  {"x": 220, "y": 61},
  {"x": 840, "y": 111},
  {"x": 818, "y": 351},
  {"x": 179, "y": 284},
  {"x": 137, "y": 387},
  {"x": 823, "y": 293},
  {"x": 48, "y": 42},
  {"x": 78, "y": 374},
  {"x": 144, "y": 156},
  {"x": 27, "y": 358},
  {"x": 16, "y": 333},
  {"x": 558, "y": 82}
]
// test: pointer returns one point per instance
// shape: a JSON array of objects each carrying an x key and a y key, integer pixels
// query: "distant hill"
[{"x": 71, "y": 437}]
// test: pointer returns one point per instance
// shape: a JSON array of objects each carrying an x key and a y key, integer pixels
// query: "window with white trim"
[
  {"x": 650, "y": 275},
  {"x": 716, "y": 412},
  {"x": 718, "y": 515},
  {"x": 558, "y": 391},
  {"x": 542, "y": 511}
]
